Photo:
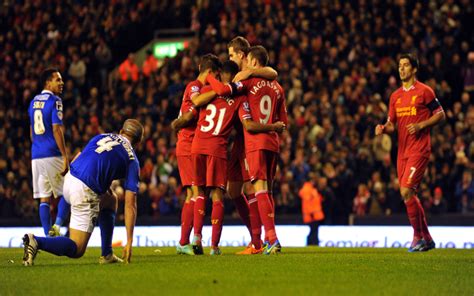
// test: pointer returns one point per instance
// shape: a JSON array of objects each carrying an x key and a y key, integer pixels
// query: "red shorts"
[
  {"x": 411, "y": 171},
  {"x": 262, "y": 165},
  {"x": 238, "y": 168},
  {"x": 185, "y": 167},
  {"x": 210, "y": 171}
]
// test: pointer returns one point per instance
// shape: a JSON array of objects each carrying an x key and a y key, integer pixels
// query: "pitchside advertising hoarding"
[{"x": 289, "y": 236}]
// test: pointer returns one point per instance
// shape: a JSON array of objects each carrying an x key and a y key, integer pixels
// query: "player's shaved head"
[
  {"x": 133, "y": 129},
  {"x": 239, "y": 43}
]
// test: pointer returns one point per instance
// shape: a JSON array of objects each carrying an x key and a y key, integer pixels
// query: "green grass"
[{"x": 303, "y": 271}]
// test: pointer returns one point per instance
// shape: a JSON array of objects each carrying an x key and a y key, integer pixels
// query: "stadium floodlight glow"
[{"x": 168, "y": 49}]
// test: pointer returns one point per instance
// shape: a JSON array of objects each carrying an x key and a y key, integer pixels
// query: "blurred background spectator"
[{"x": 337, "y": 61}]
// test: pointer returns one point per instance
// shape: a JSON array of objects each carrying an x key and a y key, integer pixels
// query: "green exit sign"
[{"x": 168, "y": 49}]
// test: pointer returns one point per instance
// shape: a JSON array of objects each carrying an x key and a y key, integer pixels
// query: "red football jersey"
[
  {"x": 238, "y": 149},
  {"x": 413, "y": 105},
  {"x": 186, "y": 135},
  {"x": 267, "y": 105},
  {"x": 215, "y": 124}
]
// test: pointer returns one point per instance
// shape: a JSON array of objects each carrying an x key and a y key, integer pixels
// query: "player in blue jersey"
[
  {"x": 48, "y": 152},
  {"x": 106, "y": 157}
]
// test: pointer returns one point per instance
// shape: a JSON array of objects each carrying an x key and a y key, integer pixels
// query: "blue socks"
[
  {"x": 60, "y": 246},
  {"x": 63, "y": 211},
  {"x": 45, "y": 217},
  {"x": 106, "y": 224}
]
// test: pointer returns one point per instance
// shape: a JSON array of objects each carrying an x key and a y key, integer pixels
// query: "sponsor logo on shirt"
[{"x": 406, "y": 111}]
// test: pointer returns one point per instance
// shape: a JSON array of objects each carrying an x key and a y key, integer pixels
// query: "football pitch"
[{"x": 302, "y": 271}]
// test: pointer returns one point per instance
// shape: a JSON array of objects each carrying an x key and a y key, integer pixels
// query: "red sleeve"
[
  {"x": 428, "y": 95},
  {"x": 431, "y": 101},
  {"x": 392, "y": 116},
  {"x": 206, "y": 88},
  {"x": 194, "y": 91},
  {"x": 220, "y": 88},
  {"x": 282, "y": 113},
  {"x": 244, "y": 109}
]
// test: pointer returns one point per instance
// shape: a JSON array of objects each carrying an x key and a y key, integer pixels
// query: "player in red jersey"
[
  {"x": 208, "y": 64},
  {"x": 267, "y": 104},
  {"x": 209, "y": 153},
  {"x": 239, "y": 187},
  {"x": 413, "y": 109}
]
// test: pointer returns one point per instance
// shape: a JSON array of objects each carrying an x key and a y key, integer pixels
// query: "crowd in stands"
[{"x": 337, "y": 61}]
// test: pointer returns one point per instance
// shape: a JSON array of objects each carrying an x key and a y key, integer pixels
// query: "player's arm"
[
  {"x": 182, "y": 121},
  {"x": 282, "y": 112},
  {"x": 256, "y": 127},
  {"x": 221, "y": 89},
  {"x": 436, "y": 118},
  {"x": 438, "y": 115},
  {"x": 130, "y": 219},
  {"x": 389, "y": 126},
  {"x": 58, "y": 132},
  {"x": 386, "y": 128},
  {"x": 266, "y": 73},
  {"x": 131, "y": 189},
  {"x": 206, "y": 95}
]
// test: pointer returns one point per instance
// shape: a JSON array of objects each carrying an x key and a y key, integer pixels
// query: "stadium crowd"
[{"x": 337, "y": 61}]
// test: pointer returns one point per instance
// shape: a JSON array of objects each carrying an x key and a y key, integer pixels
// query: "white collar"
[
  {"x": 45, "y": 91},
  {"x": 411, "y": 87},
  {"x": 125, "y": 138}
]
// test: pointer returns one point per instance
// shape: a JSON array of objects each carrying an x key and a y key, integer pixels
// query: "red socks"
[
  {"x": 422, "y": 222},
  {"x": 242, "y": 207},
  {"x": 217, "y": 217},
  {"x": 267, "y": 215},
  {"x": 199, "y": 213},
  {"x": 417, "y": 218},
  {"x": 255, "y": 222},
  {"x": 186, "y": 221}
]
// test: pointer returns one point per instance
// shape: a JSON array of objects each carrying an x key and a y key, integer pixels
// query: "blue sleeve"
[
  {"x": 133, "y": 176},
  {"x": 57, "y": 114}
]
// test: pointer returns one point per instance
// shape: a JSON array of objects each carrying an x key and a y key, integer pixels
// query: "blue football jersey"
[
  {"x": 105, "y": 158},
  {"x": 45, "y": 110}
]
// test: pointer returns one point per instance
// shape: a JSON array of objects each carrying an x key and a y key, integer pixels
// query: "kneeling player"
[{"x": 106, "y": 157}]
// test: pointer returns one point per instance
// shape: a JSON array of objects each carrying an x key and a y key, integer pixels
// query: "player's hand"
[
  {"x": 379, "y": 129},
  {"x": 127, "y": 253},
  {"x": 413, "y": 128},
  {"x": 242, "y": 75},
  {"x": 279, "y": 126}
]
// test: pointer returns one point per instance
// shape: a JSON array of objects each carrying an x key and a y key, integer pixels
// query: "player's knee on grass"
[
  {"x": 234, "y": 189},
  {"x": 81, "y": 239},
  {"x": 406, "y": 193}
]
